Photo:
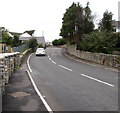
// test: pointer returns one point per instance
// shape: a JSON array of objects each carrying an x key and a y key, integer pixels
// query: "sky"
[{"x": 45, "y": 16}]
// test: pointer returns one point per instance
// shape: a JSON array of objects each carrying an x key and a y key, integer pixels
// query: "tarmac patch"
[{"x": 19, "y": 94}]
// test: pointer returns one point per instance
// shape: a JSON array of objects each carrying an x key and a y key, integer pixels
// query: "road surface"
[{"x": 68, "y": 85}]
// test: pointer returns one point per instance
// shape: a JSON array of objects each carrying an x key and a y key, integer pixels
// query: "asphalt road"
[{"x": 68, "y": 85}]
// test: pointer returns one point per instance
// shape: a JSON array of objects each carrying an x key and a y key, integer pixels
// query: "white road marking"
[
  {"x": 65, "y": 68},
  {"x": 53, "y": 62},
  {"x": 97, "y": 80},
  {"x": 39, "y": 94},
  {"x": 50, "y": 59},
  {"x": 48, "y": 56},
  {"x": 59, "y": 65},
  {"x": 28, "y": 61}
]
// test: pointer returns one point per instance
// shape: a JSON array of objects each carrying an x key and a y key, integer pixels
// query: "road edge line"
[
  {"x": 36, "y": 88},
  {"x": 39, "y": 94},
  {"x": 28, "y": 61}
]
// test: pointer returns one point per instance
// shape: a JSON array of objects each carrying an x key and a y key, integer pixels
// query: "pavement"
[{"x": 20, "y": 94}]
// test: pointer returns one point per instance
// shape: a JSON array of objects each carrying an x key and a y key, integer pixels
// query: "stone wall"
[{"x": 100, "y": 58}]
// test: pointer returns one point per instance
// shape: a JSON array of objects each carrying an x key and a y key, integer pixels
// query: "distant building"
[
  {"x": 41, "y": 40},
  {"x": 116, "y": 25}
]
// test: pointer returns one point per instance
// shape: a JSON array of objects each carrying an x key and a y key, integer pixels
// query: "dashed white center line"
[
  {"x": 48, "y": 56},
  {"x": 59, "y": 65},
  {"x": 53, "y": 62},
  {"x": 97, "y": 80},
  {"x": 65, "y": 68},
  {"x": 83, "y": 74},
  {"x": 50, "y": 59}
]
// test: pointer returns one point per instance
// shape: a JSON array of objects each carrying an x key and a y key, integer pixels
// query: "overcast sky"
[{"x": 46, "y": 15}]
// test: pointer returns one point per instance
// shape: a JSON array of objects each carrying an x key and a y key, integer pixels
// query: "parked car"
[{"x": 40, "y": 51}]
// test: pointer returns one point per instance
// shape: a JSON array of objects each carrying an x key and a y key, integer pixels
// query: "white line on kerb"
[
  {"x": 65, "y": 68},
  {"x": 39, "y": 94},
  {"x": 28, "y": 61},
  {"x": 97, "y": 80}
]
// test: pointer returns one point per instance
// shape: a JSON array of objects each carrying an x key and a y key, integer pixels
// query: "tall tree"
[
  {"x": 71, "y": 22},
  {"x": 76, "y": 22},
  {"x": 88, "y": 20},
  {"x": 106, "y": 23}
]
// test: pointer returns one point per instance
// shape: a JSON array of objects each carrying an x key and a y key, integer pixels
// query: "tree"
[
  {"x": 6, "y": 37},
  {"x": 15, "y": 41},
  {"x": 88, "y": 20},
  {"x": 71, "y": 20},
  {"x": 99, "y": 42},
  {"x": 60, "y": 41},
  {"x": 106, "y": 23},
  {"x": 76, "y": 22},
  {"x": 30, "y": 32},
  {"x": 55, "y": 42}
]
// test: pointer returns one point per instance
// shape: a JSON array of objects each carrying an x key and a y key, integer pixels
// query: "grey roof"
[
  {"x": 39, "y": 39},
  {"x": 24, "y": 38}
]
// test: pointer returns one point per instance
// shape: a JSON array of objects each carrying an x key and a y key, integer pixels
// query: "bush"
[
  {"x": 58, "y": 42},
  {"x": 100, "y": 42},
  {"x": 32, "y": 43}
]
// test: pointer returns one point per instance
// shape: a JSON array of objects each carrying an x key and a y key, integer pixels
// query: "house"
[
  {"x": 25, "y": 37},
  {"x": 116, "y": 25},
  {"x": 41, "y": 40}
]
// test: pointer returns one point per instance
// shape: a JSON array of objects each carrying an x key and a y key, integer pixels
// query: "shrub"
[
  {"x": 32, "y": 43},
  {"x": 100, "y": 42},
  {"x": 58, "y": 42}
]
